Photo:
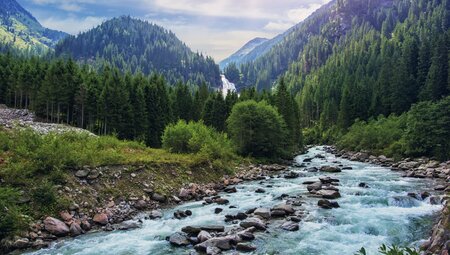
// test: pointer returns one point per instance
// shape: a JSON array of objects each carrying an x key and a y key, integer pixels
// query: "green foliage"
[
  {"x": 258, "y": 130},
  {"x": 138, "y": 46},
  {"x": 197, "y": 138},
  {"x": 393, "y": 250},
  {"x": 423, "y": 131},
  {"x": 10, "y": 218}
]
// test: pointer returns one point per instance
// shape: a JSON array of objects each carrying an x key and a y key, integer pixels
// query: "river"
[{"x": 367, "y": 217}]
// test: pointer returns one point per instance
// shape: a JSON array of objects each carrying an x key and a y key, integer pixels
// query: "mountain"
[
  {"x": 239, "y": 56},
  {"x": 138, "y": 46},
  {"x": 20, "y": 30}
]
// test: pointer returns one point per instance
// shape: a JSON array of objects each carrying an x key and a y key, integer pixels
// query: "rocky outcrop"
[{"x": 439, "y": 243}]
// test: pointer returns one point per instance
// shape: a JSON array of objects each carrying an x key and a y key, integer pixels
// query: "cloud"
[
  {"x": 72, "y": 25},
  {"x": 278, "y": 26}
]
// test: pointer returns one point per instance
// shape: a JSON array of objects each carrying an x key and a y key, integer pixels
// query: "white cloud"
[{"x": 72, "y": 25}]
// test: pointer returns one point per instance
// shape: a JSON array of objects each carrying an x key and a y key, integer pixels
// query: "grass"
[{"x": 39, "y": 169}]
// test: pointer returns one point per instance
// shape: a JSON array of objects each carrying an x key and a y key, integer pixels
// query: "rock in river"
[
  {"x": 290, "y": 226},
  {"x": 179, "y": 239},
  {"x": 326, "y": 204},
  {"x": 253, "y": 222},
  {"x": 328, "y": 194},
  {"x": 330, "y": 169}
]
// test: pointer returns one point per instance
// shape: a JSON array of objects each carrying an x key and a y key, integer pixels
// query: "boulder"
[
  {"x": 155, "y": 214},
  {"x": 85, "y": 225},
  {"x": 326, "y": 204},
  {"x": 221, "y": 201},
  {"x": 179, "y": 239},
  {"x": 218, "y": 210},
  {"x": 260, "y": 190},
  {"x": 140, "y": 205},
  {"x": 223, "y": 243},
  {"x": 253, "y": 222},
  {"x": 312, "y": 169},
  {"x": 213, "y": 228},
  {"x": 245, "y": 247},
  {"x": 284, "y": 207},
  {"x": 213, "y": 251},
  {"x": 290, "y": 226},
  {"x": 65, "y": 216},
  {"x": 230, "y": 190},
  {"x": 315, "y": 186},
  {"x": 262, "y": 212},
  {"x": 101, "y": 218},
  {"x": 130, "y": 224},
  {"x": 203, "y": 236},
  {"x": 328, "y": 194},
  {"x": 330, "y": 169},
  {"x": 21, "y": 243},
  {"x": 291, "y": 175},
  {"x": 363, "y": 185},
  {"x": 191, "y": 230},
  {"x": 159, "y": 198},
  {"x": 75, "y": 229},
  {"x": 56, "y": 227}
]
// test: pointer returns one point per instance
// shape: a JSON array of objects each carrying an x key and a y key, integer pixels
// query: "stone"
[
  {"x": 290, "y": 226},
  {"x": 155, "y": 214},
  {"x": 440, "y": 187},
  {"x": 230, "y": 190},
  {"x": 85, "y": 225},
  {"x": 75, "y": 229},
  {"x": 101, "y": 218},
  {"x": 363, "y": 185},
  {"x": 94, "y": 174},
  {"x": 56, "y": 227},
  {"x": 253, "y": 222},
  {"x": 159, "y": 198},
  {"x": 284, "y": 207},
  {"x": 82, "y": 173},
  {"x": 262, "y": 212},
  {"x": 245, "y": 247},
  {"x": 203, "y": 236},
  {"x": 130, "y": 224},
  {"x": 425, "y": 195},
  {"x": 246, "y": 235},
  {"x": 218, "y": 210},
  {"x": 328, "y": 194},
  {"x": 191, "y": 230},
  {"x": 178, "y": 239},
  {"x": 326, "y": 204},
  {"x": 291, "y": 175},
  {"x": 221, "y": 201},
  {"x": 213, "y": 251},
  {"x": 260, "y": 191},
  {"x": 315, "y": 186},
  {"x": 330, "y": 169},
  {"x": 223, "y": 243},
  {"x": 140, "y": 205},
  {"x": 22, "y": 243},
  {"x": 213, "y": 228},
  {"x": 65, "y": 216},
  {"x": 277, "y": 213},
  {"x": 312, "y": 169}
]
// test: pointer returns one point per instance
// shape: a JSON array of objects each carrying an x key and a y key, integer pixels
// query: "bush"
[
  {"x": 195, "y": 137},
  {"x": 10, "y": 219},
  {"x": 258, "y": 130},
  {"x": 394, "y": 250},
  {"x": 380, "y": 136}
]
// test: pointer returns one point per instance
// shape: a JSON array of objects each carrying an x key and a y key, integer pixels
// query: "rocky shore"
[
  {"x": 93, "y": 213},
  {"x": 119, "y": 213}
]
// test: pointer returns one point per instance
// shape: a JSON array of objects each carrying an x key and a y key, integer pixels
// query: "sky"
[{"x": 216, "y": 28}]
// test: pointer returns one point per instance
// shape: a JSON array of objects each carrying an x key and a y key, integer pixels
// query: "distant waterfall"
[{"x": 227, "y": 85}]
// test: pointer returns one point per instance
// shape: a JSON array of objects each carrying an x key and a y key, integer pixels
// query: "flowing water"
[{"x": 369, "y": 217}]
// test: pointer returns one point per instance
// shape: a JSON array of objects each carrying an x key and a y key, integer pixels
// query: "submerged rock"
[
  {"x": 330, "y": 169},
  {"x": 290, "y": 226},
  {"x": 328, "y": 194},
  {"x": 326, "y": 204},
  {"x": 253, "y": 222}
]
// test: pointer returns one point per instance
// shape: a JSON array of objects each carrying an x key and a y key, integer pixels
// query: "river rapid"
[{"x": 383, "y": 213}]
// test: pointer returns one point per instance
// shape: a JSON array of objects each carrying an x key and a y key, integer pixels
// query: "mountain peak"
[{"x": 20, "y": 30}]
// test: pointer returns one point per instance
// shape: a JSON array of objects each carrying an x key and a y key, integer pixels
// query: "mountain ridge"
[
  {"x": 136, "y": 45},
  {"x": 19, "y": 29}
]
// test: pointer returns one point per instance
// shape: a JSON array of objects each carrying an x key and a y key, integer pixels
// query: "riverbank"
[
  {"x": 268, "y": 207},
  {"x": 439, "y": 242}
]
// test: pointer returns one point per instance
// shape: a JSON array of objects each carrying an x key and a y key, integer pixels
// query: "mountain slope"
[
  {"x": 135, "y": 45},
  {"x": 239, "y": 55},
  {"x": 20, "y": 30}
]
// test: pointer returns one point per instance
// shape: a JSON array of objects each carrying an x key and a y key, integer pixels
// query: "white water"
[
  {"x": 367, "y": 217},
  {"x": 227, "y": 86}
]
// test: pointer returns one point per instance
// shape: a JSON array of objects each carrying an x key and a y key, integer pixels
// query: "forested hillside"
[
  {"x": 138, "y": 46},
  {"x": 393, "y": 59},
  {"x": 20, "y": 30},
  {"x": 131, "y": 106}
]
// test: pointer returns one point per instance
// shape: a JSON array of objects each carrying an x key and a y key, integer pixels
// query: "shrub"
[
  {"x": 195, "y": 137},
  {"x": 258, "y": 130},
  {"x": 10, "y": 219},
  {"x": 393, "y": 250}
]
